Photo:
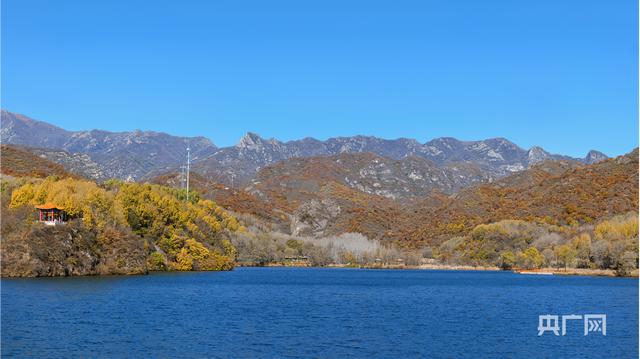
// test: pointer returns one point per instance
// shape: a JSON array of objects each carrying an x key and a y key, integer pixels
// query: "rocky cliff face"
[
  {"x": 595, "y": 156},
  {"x": 315, "y": 217},
  {"x": 367, "y": 173},
  {"x": 535, "y": 173}
]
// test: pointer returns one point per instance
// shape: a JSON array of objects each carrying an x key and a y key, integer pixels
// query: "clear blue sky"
[{"x": 559, "y": 74}]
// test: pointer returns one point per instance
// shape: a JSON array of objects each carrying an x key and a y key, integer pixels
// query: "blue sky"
[{"x": 559, "y": 74}]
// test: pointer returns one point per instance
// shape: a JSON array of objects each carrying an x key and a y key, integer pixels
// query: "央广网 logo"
[{"x": 592, "y": 323}]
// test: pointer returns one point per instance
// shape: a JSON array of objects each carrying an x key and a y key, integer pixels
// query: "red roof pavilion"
[{"x": 51, "y": 213}]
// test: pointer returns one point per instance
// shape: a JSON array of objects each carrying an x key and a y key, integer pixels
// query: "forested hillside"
[
  {"x": 611, "y": 244},
  {"x": 18, "y": 163},
  {"x": 230, "y": 198},
  {"x": 79, "y": 164},
  {"x": 118, "y": 228},
  {"x": 328, "y": 195},
  {"x": 577, "y": 196},
  {"x": 326, "y": 209}
]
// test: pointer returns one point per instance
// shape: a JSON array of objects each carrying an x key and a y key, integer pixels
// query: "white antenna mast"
[
  {"x": 182, "y": 168},
  {"x": 188, "y": 163}
]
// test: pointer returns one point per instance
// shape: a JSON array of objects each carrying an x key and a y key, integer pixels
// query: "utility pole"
[{"x": 188, "y": 164}]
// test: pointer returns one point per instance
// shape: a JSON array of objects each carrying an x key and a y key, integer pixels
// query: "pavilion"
[{"x": 52, "y": 214}]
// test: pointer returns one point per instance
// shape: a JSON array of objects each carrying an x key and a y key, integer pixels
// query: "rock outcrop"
[
  {"x": 314, "y": 217},
  {"x": 71, "y": 250}
]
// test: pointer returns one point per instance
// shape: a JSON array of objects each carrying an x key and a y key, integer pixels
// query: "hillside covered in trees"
[
  {"x": 541, "y": 194},
  {"x": 320, "y": 201},
  {"x": 117, "y": 228},
  {"x": 545, "y": 207},
  {"x": 19, "y": 163},
  {"x": 555, "y": 213}
]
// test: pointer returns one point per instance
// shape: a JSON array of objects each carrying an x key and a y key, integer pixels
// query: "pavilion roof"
[{"x": 50, "y": 206}]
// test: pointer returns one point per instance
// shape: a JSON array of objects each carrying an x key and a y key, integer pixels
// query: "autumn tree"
[
  {"x": 564, "y": 254},
  {"x": 508, "y": 260}
]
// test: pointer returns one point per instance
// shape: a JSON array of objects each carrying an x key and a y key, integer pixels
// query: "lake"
[{"x": 317, "y": 313}]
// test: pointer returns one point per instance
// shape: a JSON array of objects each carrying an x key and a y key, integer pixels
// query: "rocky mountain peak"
[
  {"x": 537, "y": 154},
  {"x": 595, "y": 156},
  {"x": 250, "y": 140},
  {"x": 20, "y": 129}
]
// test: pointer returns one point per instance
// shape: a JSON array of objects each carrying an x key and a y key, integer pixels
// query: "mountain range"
[
  {"x": 124, "y": 155},
  {"x": 498, "y": 157},
  {"x": 141, "y": 155},
  {"x": 403, "y": 199}
]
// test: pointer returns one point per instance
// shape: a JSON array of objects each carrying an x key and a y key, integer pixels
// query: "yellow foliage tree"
[
  {"x": 615, "y": 229},
  {"x": 185, "y": 260},
  {"x": 22, "y": 195},
  {"x": 233, "y": 224},
  {"x": 148, "y": 210},
  {"x": 581, "y": 242}
]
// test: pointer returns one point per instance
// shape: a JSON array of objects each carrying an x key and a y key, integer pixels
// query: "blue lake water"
[{"x": 316, "y": 313}]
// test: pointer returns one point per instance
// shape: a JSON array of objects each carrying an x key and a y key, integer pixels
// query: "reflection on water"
[{"x": 314, "y": 312}]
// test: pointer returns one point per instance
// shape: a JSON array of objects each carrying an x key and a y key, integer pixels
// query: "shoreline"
[
  {"x": 544, "y": 271},
  {"x": 575, "y": 271}
]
